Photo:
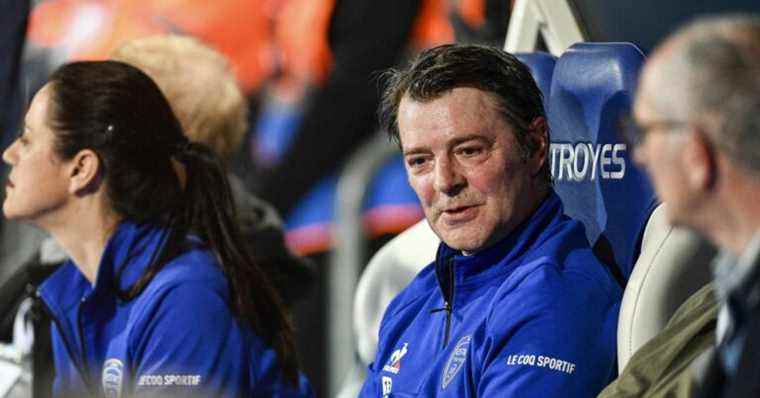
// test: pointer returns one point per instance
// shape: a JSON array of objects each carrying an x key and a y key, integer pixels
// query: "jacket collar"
[
  {"x": 130, "y": 247},
  {"x": 452, "y": 266}
]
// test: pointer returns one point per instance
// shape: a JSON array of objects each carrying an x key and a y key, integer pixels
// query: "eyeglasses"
[{"x": 634, "y": 133}]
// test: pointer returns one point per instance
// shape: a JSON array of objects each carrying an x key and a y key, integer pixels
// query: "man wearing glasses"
[{"x": 698, "y": 112}]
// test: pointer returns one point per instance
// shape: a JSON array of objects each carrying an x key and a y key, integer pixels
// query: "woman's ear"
[{"x": 84, "y": 172}]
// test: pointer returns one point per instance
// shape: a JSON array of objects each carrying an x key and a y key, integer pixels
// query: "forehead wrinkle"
[{"x": 462, "y": 114}]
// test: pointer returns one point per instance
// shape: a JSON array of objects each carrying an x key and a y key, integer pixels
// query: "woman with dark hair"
[{"x": 159, "y": 297}]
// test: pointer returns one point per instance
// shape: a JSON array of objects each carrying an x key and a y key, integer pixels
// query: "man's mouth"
[
  {"x": 456, "y": 210},
  {"x": 459, "y": 214}
]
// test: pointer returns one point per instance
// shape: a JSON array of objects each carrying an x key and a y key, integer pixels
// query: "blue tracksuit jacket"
[
  {"x": 178, "y": 337},
  {"x": 534, "y": 315}
]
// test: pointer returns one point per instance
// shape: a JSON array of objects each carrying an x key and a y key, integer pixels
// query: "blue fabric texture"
[
  {"x": 534, "y": 315},
  {"x": 178, "y": 337}
]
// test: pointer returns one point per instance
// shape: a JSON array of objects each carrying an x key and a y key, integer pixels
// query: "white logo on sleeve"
[
  {"x": 541, "y": 361},
  {"x": 152, "y": 380},
  {"x": 456, "y": 360},
  {"x": 394, "y": 364},
  {"x": 387, "y": 386},
  {"x": 113, "y": 373}
]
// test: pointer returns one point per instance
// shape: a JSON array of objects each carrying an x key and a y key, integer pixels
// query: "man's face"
[
  {"x": 662, "y": 146},
  {"x": 464, "y": 163}
]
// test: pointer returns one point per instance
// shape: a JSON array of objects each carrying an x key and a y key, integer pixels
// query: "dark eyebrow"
[
  {"x": 453, "y": 143},
  {"x": 415, "y": 151},
  {"x": 470, "y": 137}
]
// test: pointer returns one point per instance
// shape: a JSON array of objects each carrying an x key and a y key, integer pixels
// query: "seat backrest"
[
  {"x": 389, "y": 271},
  {"x": 541, "y": 65},
  {"x": 673, "y": 265},
  {"x": 592, "y": 89}
]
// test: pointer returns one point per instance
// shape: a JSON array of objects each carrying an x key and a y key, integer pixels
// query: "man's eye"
[
  {"x": 415, "y": 162},
  {"x": 470, "y": 151}
]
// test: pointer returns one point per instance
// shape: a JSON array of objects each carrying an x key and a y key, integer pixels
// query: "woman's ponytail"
[{"x": 209, "y": 213}]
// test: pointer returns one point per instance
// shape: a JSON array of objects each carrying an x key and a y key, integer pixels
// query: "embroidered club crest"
[
  {"x": 456, "y": 360},
  {"x": 112, "y": 378}
]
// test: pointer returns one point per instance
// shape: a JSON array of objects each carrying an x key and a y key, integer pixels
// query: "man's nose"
[{"x": 448, "y": 178}]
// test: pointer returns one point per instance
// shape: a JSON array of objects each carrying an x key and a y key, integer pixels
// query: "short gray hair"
[{"x": 722, "y": 59}]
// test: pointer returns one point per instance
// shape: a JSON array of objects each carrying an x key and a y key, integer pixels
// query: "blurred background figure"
[{"x": 204, "y": 95}]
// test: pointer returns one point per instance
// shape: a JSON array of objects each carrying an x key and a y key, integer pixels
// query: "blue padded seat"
[
  {"x": 592, "y": 90},
  {"x": 541, "y": 65}
]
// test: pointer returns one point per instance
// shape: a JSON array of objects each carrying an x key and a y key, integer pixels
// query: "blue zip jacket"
[
  {"x": 178, "y": 337},
  {"x": 534, "y": 315}
]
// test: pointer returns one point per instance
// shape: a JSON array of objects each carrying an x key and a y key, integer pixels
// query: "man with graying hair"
[
  {"x": 698, "y": 112},
  {"x": 515, "y": 303}
]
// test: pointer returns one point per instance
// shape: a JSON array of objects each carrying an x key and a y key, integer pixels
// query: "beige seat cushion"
[
  {"x": 389, "y": 271},
  {"x": 673, "y": 264}
]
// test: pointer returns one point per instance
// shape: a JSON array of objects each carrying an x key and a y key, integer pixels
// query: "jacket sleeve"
[
  {"x": 549, "y": 337},
  {"x": 189, "y": 343},
  {"x": 373, "y": 383},
  {"x": 369, "y": 389}
]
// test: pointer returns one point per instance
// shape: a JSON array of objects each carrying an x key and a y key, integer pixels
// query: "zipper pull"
[{"x": 446, "y": 307}]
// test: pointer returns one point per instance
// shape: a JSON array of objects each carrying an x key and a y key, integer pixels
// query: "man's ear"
[
  {"x": 538, "y": 142},
  {"x": 699, "y": 161},
  {"x": 84, "y": 172}
]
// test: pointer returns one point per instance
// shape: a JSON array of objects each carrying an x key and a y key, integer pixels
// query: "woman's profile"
[{"x": 160, "y": 296}]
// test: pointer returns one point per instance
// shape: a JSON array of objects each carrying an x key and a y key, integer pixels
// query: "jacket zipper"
[
  {"x": 447, "y": 305},
  {"x": 43, "y": 305},
  {"x": 448, "y": 299},
  {"x": 85, "y": 376}
]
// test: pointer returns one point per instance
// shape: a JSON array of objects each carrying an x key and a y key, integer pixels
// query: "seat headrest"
[
  {"x": 541, "y": 65},
  {"x": 592, "y": 89}
]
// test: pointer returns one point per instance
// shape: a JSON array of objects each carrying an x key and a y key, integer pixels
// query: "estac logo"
[
  {"x": 112, "y": 378},
  {"x": 585, "y": 161},
  {"x": 456, "y": 360}
]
